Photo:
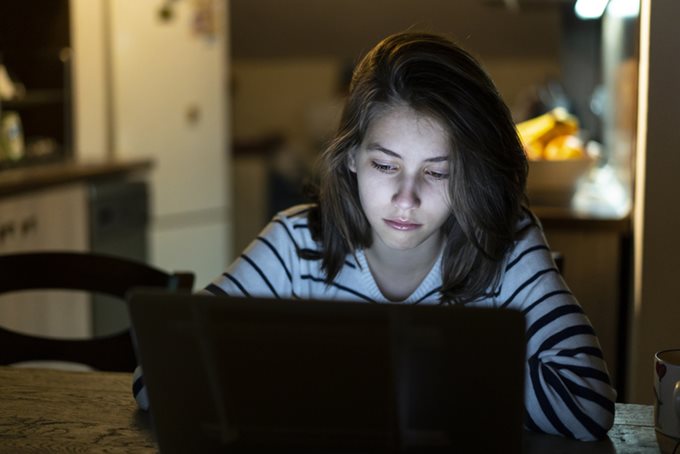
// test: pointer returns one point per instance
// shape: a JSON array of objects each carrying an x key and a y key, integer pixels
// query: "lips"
[{"x": 402, "y": 224}]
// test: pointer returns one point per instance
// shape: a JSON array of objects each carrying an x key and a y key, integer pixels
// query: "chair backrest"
[{"x": 89, "y": 272}]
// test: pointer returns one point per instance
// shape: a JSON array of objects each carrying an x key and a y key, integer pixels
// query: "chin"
[{"x": 403, "y": 245}]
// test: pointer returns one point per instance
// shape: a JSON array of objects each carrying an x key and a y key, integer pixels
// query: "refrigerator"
[{"x": 169, "y": 99}]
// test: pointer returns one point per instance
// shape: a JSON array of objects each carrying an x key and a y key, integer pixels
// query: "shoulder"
[
  {"x": 529, "y": 273},
  {"x": 293, "y": 224},
  {"x": 528, "y": 230},
  {"x": 296, "y": 212},
  {"x": 296, "y": 216},
  {"x": 527, "y": 223},
  {"x": 529, "y": 245}
]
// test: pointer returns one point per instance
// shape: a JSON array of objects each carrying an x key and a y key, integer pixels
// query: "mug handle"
[{"x": 676, "y": 398}]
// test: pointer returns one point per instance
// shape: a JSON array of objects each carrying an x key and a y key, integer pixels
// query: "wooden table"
[
  {"x": 46, "y": 411},
  {"x": 633, "y": 433}
]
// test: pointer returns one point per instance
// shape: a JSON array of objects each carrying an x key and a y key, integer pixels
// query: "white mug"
[{"x": 667, "y": 395}]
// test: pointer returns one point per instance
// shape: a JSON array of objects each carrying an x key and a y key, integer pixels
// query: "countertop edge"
[
  {"x": 24, "y": 180},
  {"x": 569, "y": 219}
]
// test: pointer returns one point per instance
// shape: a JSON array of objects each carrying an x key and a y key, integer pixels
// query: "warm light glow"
[
  {"x": 639, "y": 201},
  {"x": 590, "y": 9},
  {"x": 624, "y": 8}
]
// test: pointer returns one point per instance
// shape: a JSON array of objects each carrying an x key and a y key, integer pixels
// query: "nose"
[{"x": 406, "y": 195}]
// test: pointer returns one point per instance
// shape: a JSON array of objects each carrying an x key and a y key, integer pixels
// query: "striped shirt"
[{"x": 567, "y": 386}]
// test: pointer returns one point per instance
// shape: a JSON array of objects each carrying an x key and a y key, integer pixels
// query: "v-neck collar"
[{"x": 431, "y": 281}]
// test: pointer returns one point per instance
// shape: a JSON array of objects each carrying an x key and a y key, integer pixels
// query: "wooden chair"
[{"x": 88, "y": 272}]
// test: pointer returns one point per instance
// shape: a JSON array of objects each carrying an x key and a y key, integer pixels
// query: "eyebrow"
[{"x": 374, "y": 146}]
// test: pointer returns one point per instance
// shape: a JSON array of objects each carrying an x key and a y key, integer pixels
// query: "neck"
[
  {"x": 411, "y": 260},
  {"x": 399, "y": 273}
]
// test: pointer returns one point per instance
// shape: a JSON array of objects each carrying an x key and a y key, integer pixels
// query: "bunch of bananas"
[{"x": 551, "y": 136}]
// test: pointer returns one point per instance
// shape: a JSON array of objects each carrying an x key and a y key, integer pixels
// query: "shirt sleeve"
[
  {"x": 267, "y": 267},
  {"x": 567, "y": 386},
  {"x": 139, "y": 390}
]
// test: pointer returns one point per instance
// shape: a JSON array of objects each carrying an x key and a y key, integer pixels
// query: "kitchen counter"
[
  {"x": 565, "y": 218},
  {"x": 72, "y": 206},
  {"x": 27, "y": 179}
]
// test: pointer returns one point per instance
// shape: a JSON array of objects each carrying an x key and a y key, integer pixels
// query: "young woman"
[{"x": 421, "y": 201}]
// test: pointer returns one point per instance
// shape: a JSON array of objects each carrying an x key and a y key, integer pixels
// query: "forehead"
[{"x": 402, "y": 128}]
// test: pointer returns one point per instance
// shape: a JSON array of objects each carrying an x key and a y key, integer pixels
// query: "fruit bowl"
[
  {"x": 553, "y": 183},
  {"x": 557, "y": 157}
]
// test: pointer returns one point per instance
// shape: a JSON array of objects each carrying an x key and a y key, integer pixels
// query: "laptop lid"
[{"x": 252, "y": 373}]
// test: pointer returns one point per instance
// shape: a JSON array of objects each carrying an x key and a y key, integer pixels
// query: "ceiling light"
[
  {"x": 624, "y": 8},
  {"x": 590, "y": 9}
]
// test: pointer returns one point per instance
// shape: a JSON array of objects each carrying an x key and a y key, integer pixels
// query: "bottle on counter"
[{"x": 11, "y": 137}]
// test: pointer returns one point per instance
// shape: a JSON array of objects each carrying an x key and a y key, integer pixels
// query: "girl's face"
[{"x": 402, "y": 169}]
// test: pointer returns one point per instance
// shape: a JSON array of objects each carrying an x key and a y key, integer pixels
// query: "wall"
[
  {"x": 347, "y": 28},
  {"x": 656, "y": 308},
  {"x": 90, "y": 80},
  {"x": 285, "y": 94},
  {"x": 272, "y": 95}
]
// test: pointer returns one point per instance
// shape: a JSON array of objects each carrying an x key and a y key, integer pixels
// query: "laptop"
[{"x": 230, "y": 374}]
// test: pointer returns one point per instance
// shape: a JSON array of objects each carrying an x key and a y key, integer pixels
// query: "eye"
[
  {"x": 386, "y": 168},
  {"x": 437, "y": 175}
]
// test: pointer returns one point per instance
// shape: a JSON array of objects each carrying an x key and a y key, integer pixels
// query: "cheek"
[
  {"x": 372, "y": 189},
  {"x": 366, "y": 178},
  {"x": 366, "y": 187},
  {"x": 439, "y": 197},
  {"x": 444, "y": 194}
]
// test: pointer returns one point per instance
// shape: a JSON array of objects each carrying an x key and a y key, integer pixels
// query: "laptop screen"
[{"x": 231, "y": 372}]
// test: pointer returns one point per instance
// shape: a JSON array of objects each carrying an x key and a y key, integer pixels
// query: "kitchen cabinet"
[
  {"x": 49, "y": 219},
  {"x": 73, "y": 207},
  {"x": 54, "y": 219}
]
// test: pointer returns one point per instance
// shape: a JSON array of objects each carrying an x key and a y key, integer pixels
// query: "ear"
[{"x": 351, "y": 160}]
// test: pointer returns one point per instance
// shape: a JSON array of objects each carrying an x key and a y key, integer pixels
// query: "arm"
[
  {"x": 139, "y": 390},
  {"x": 567, "y": 390}
]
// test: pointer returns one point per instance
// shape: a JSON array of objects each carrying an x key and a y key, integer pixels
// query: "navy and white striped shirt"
[{"x": 568, "y": 389}]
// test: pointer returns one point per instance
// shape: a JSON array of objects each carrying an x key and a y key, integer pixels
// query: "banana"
[
  {"x": 537, "y": 132},
  {"x": 534, "y": 128}
]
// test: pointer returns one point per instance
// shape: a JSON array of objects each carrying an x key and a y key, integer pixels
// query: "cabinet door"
[{"x": 54, "y": 219}]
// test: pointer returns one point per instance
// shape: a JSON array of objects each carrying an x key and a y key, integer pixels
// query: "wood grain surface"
[{"x": 44, "y": 410}]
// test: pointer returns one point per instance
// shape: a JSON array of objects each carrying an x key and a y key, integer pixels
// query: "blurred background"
[
  {"x": 172, "y": 130},
  {"x": 291, "y": 62}
]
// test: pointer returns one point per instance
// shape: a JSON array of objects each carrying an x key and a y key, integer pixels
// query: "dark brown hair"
[{"x": 488, "y": 168}]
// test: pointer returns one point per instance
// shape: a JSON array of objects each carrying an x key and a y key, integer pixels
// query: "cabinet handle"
[
  {"x": 6, "y": 230},
  {"x": 28, "y": 225}
]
